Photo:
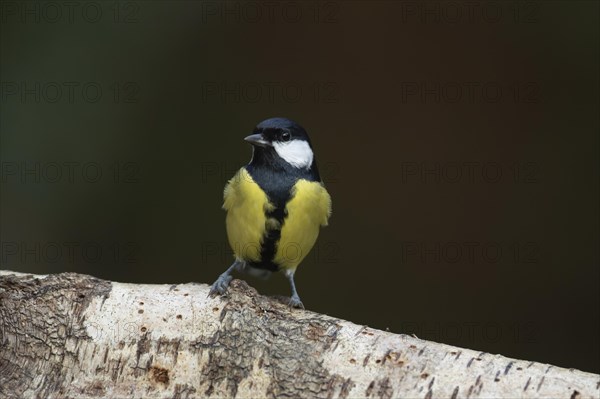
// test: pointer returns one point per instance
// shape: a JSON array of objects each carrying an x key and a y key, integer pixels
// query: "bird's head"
[{"x": 285, "y": 139}]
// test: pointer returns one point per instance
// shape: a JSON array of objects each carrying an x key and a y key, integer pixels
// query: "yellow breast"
[
  {"x": 246, "y": 203},
  {"x": 308, "y": 209}
]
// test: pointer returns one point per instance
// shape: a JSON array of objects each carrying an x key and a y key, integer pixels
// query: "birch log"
[{"x": 76, "y": 336}]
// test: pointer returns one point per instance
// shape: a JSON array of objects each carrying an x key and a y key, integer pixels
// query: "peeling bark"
[{"x": 72, "y": 335}]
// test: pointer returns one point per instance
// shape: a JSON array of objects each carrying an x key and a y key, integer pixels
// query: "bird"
[{"x": 276, "y": 205}]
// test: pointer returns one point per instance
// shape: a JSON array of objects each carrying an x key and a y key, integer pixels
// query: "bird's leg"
[
  {"x": 295, "y": 301},
  {"x": 220, "y": 286}
]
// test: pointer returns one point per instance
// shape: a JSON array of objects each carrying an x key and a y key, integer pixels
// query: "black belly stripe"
[
  {"x": 279, "y": 199},
  {"x": 277, "y": 179},
  {"x": 272, "y": 236},
  {"x": 278, "y": 188}
]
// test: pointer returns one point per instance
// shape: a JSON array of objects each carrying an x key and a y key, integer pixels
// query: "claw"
[
  {"x": 219, "y": 287},
  {"x": 295, "y": 302}
]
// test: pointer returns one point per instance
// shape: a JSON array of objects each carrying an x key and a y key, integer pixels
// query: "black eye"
[{"x": 286, "y": 136}]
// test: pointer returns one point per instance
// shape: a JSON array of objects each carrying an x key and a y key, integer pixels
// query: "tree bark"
[{"x": 76, "y": 336}]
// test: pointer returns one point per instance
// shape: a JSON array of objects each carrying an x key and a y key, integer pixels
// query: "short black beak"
[{"x": 257, "y": 139}]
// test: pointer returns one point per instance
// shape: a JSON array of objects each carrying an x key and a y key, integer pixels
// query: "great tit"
[{"x": 275, "y": 205}]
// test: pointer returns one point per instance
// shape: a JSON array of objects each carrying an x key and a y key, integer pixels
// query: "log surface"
[{"x": 76, "y": 336}]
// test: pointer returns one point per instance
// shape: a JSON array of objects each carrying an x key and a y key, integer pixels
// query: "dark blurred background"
[{"x": 459, "y": 141}]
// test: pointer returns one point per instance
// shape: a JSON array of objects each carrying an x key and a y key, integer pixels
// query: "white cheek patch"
[{"x": 296, "y": 152}]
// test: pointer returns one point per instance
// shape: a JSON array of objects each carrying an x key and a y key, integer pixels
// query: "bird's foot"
[
  {"x": 295, "y": 302},
  {"x": 219, "y": 287}
]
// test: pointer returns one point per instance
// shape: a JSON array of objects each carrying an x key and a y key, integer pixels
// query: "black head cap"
[
  {"x": 282, "y": 144},
  {"x": 281, "y": 129}
]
